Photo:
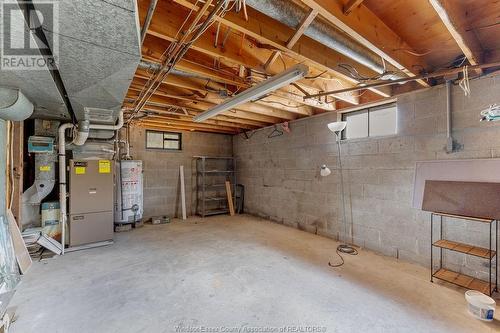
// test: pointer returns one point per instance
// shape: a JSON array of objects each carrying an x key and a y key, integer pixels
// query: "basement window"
[
  {"x": 376, "y": 121},
  {"x": 163, "y": 140}
]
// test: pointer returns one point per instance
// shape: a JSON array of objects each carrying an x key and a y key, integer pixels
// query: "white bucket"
[{"x": 480, "y": 305}]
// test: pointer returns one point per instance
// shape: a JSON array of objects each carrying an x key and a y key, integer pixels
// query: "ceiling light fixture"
[{"x": 276, "y": 82}]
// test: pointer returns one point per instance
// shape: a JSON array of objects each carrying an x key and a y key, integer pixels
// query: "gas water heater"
[{"x": 129, "y": 206}]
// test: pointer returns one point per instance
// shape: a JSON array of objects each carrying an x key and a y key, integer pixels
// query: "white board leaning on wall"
[{"x": 473, "y": 170}]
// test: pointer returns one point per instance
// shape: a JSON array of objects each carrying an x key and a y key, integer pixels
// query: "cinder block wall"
[
  {"x": 161, "y": 169},
  {"x": 282, "y": 182}
]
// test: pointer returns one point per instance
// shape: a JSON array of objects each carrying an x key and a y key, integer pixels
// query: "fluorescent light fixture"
[
  {"x": 325, "y": 171},
  {"x": 293, "y": 74}
]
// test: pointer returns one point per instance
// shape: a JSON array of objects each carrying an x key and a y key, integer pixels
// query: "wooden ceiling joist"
[
  {"x": 191, "y": 127},
  {"x": 453, "y": 17},
  {"x": 306, "y": 21},
  {"x": 195, "y": 85},
  {"x": 276, "y": 35},
  {"x": 241, "y": 49},
  {"x": 351, "y": 5},
  {"x": 269, "y": 103},
  {"x": 212, "y": 100},
  {"x": 170, "y": 122},
  {"x": 368, "y": 30},
  {"x": 188, "y": 120},
  {"x": 161, "y": 112},
  {"x": 153, "y": 49},
  {"x": 252, "y": 57},
  {"x": 203, "y": 106}
]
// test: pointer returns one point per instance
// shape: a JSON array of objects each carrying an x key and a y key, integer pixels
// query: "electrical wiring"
[
  {"x": 282, "y": 60},
  {"x": 315, "y": 76},
  {"x": 416, "y": 54},
  {"x": 345, "y": 249},
  {"x": 178, "y": 49},
  {"x": 464, "y": 83},
  {"x": 216, "y": 42},
  {"x": 283, "y": 104},
  {"x": 353, "y": 72}
]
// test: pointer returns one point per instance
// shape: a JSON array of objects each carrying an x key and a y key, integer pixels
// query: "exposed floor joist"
[
  {"x": 274, "y": 34},
  {"x": 351, "y": 5},
  {"x": 242, "y": 49},
  {"x": 453, "y": 17},
  {"x": 368, "y": 30}
]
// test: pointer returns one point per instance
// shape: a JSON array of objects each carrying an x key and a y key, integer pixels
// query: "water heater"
[{"x": 129, "y": 206}]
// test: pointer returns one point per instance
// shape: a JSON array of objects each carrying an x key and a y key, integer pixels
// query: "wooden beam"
[
  {"x": 161, "y": 112},
  {"x": 183, "y": 128},
  {"x": 203, "y": 106},
  {"x": 229, "y": 198},
  {"x": 18, "y": 159},
  {"x": 213, "y": 99},
  {"x": 252, "y": 56},
  {"x": 177, "y": 81},
  {"x": 369, "y": 30},
  {"x": 272, "y": 59},
  {"x": 453, "y": 17},
  {"x": 274, "y": 34},
  {"x": 154, "y": 50},
  {"x": 172, "y": 122},
  {"x": 147, "y": 20},
  {"x": 352, "y": 4},
  {"x": 189, "y": 120},
  {"x": 306, "y": 21}
]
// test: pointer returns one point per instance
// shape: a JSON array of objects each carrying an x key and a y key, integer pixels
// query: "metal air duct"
[
  {"x": 291, "y": 15},
  {"x": 14, "y": 105}
]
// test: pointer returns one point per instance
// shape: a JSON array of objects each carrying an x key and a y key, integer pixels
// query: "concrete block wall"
[
  {"x": 161, "y": 169},
  {"x": 282, "y": 182}
]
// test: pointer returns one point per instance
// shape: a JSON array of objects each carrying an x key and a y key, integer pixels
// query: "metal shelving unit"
[
  {"x": 490, "y": 254},
  {"x": 211, "y": 175}
]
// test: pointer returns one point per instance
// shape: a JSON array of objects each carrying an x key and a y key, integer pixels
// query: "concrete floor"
[{"x": 241, "y": 272}]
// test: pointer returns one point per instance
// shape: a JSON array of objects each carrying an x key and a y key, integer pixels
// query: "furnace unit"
[{"x": 90, "y": 201}]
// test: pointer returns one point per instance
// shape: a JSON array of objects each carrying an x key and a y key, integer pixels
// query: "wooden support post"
[
  {"x": 183, "y": 193},
  {"x": 18, "y": 152},
  {"x": 229, "y": 198},
  {"x": 22, "y": 255}
]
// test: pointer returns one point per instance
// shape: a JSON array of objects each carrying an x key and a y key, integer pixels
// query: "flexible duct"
[
  {"x": 291, "y": 15},
  {"x": 45, "y": 180},
  {"x": 14, "y": 105}
]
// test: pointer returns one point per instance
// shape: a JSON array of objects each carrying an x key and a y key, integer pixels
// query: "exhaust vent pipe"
[{"x": 81, "y": 133}]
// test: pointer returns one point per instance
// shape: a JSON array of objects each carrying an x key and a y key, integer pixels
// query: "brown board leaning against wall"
[{"x": 474, "y": 199}]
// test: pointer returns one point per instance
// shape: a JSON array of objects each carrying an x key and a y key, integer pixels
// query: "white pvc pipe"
[{"x": 62, "y": 180}]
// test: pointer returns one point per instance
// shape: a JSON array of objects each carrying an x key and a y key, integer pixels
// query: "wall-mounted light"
[{"x": 325, "y": 171}]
